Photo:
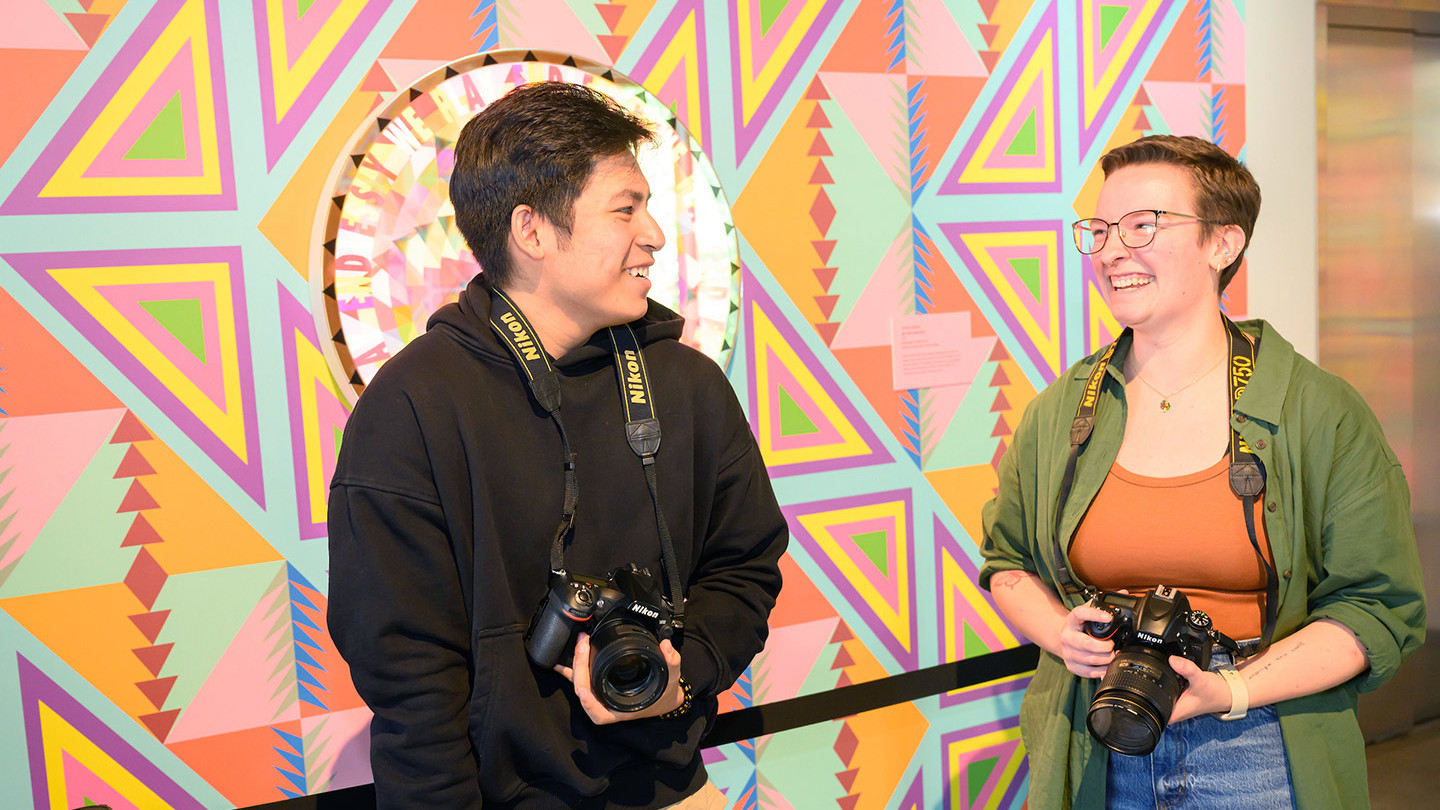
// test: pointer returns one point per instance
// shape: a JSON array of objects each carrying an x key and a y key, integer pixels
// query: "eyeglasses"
[{"x": 1137, "y": 229}]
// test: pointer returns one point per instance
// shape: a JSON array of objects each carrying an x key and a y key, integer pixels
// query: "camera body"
[
  {"x": 625, "y": 615},
  {"x": 1137, "y": 695}
]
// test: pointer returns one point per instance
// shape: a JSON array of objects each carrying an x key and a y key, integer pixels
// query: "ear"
[
  {"x": 1229, "y": 241},
  {"x": 525, "y": 226}
]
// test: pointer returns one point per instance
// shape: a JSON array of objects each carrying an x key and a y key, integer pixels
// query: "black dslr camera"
[
  {"x": 1134, "y": 701},
  {"x": 625, "y": 615}
]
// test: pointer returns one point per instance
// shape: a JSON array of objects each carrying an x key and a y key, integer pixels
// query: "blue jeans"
[{"x": 1204, "y": 763}]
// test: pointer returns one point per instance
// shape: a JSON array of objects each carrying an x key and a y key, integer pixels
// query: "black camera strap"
[
  {"x": 1247, "y": 475},
  {"x": 642, "y": 430}
]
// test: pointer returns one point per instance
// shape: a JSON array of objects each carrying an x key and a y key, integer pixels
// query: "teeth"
[
  {"x": 1128, "y": 282},
  {"x": 638, "y": 272}
]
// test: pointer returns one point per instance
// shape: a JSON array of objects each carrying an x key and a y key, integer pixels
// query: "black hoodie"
[{"x": 446, "y": 494}]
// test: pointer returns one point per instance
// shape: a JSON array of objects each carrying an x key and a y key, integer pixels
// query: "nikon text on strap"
[
  {"x": 642, "y": 430},
  {"x": 1247, "y": 475}
]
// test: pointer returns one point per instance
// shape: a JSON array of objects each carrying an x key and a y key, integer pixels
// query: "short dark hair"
[
  {"x": 1225, "y": 191},
  {"x": 536, "y": 145}
]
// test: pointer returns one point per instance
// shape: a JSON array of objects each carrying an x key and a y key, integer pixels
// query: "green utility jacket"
[{"x": 1337, "y": 512}]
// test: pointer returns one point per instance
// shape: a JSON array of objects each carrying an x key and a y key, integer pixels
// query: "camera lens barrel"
[
  {"x": 1134, "y": 701},
  {"x": 628, "y": 673}
]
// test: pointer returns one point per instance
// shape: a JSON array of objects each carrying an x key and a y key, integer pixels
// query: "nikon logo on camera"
[
  {"x": 633, "y": 384},
  {"x": 522, "y": 339},
  {"x": 644, "y": 611}
]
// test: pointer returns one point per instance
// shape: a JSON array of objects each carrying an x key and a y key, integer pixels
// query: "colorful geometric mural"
[{"x": 901, "y": 176}]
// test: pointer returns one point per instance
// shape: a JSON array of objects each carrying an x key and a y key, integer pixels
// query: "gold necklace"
[{"x": 1165, "y": 398}]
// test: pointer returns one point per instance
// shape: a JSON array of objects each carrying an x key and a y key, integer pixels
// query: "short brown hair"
[
  {"x": 537, "y": 145},
  {"x": 1225, "y": 191}
]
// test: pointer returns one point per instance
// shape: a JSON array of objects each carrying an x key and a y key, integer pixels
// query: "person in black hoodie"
[{"x": 454, "y": 473}]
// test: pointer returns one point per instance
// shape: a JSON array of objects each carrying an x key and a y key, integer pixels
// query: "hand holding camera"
[
  {"x": 622, "y": 618},
  {"x": 1137, "y": 694}
]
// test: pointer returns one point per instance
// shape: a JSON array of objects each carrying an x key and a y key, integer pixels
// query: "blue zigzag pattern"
[
  {"x": 895, "y": 16},
  {"x": 489, "y": 15},
  {"x": 292, "y": 750},
  {"x": 303, "y": 626}
]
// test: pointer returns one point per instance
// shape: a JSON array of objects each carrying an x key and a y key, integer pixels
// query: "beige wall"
[{"x": 1281, "y": 136}]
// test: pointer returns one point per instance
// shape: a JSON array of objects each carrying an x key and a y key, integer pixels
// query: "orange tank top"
[{"x": 1187, "y": 532}]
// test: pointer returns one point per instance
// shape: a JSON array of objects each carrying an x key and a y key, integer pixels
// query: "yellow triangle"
[
  {"x": 768, "y": 340},
  {"x": 59, "y": 738}
]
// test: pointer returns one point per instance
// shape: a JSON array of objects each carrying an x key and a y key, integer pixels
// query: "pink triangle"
[
  {"x": 818, "y": 119},
  {"x": 847, "y": 778},
  {"x": 868, "y": 101},
  {"x": 301, "y": 31},
  {"x": 1000, "y": 378},
  {"x": 1002, "y": 428},
  {"x": 45, "y": 454},
  {"x": 987, "y": 33},
  {"x": 821, "y": 175},
  {"x": 245, "y": 682},
  {"x": 816, "y": 91},
  {"x": 782, "y": 379},
  {"x": 827, "y": 331},
  {"x": 826, "y": 277},
  {"x": 33, "y": 24},
  {"x": 990, "y": 58},
  {"x": 843, "y": 659},
  {"x": 178, "y": 78},
  {"x": 80, "y": 780},
  {"x": 842, "y": 634},
  {"x": 208, "y": 375},
  {"x": 884, "y": 297},
  {"x": 818, "y": 147}
]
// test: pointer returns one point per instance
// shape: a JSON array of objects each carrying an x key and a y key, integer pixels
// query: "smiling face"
[
  {"x": 1172, "y": 282},
  {"x": 598, "y": 275}
]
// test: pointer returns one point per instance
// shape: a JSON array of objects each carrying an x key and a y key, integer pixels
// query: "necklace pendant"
[{"x": 1164, "y": 404}]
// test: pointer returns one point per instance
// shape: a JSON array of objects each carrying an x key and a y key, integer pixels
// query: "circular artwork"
[{"x": 390, "y": 254}]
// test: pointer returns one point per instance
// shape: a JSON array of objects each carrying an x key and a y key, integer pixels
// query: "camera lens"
[
  {"x": 1133, "y": 703},
  {"x": 628, "y": 673}
]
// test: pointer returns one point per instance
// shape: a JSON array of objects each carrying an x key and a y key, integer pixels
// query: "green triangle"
[
  {"x": 973, "y": 645},
  {"x": 875, "y": 545},
  {"x": 1029, "y": 272},
  {"x": 979, "y": 771},
  {"x": 182, "y": 318},
  {"x": 339, "y": 434},
  {"x": 769, "y": 13},
  {"x": 1024, "y": 143},
  {"x": 793, "y": 421},
  {"x": 303, "y": 6},
  {"x": 1110, "y": 19},
  {"x": 164, "y": 139}
]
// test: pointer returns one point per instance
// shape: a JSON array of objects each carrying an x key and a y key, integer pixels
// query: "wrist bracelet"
[
  {"x": 1239, "y": 692},
  {"x": 684, "y": 702}
]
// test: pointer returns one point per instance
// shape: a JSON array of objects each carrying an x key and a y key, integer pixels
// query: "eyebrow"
[{"x": 630, "y": 195}]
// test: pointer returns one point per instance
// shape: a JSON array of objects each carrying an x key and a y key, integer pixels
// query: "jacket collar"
[{"x": 1264, "y": 395}]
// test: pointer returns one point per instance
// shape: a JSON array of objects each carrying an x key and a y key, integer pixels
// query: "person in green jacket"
[{"x": 1268, "y": 495}]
